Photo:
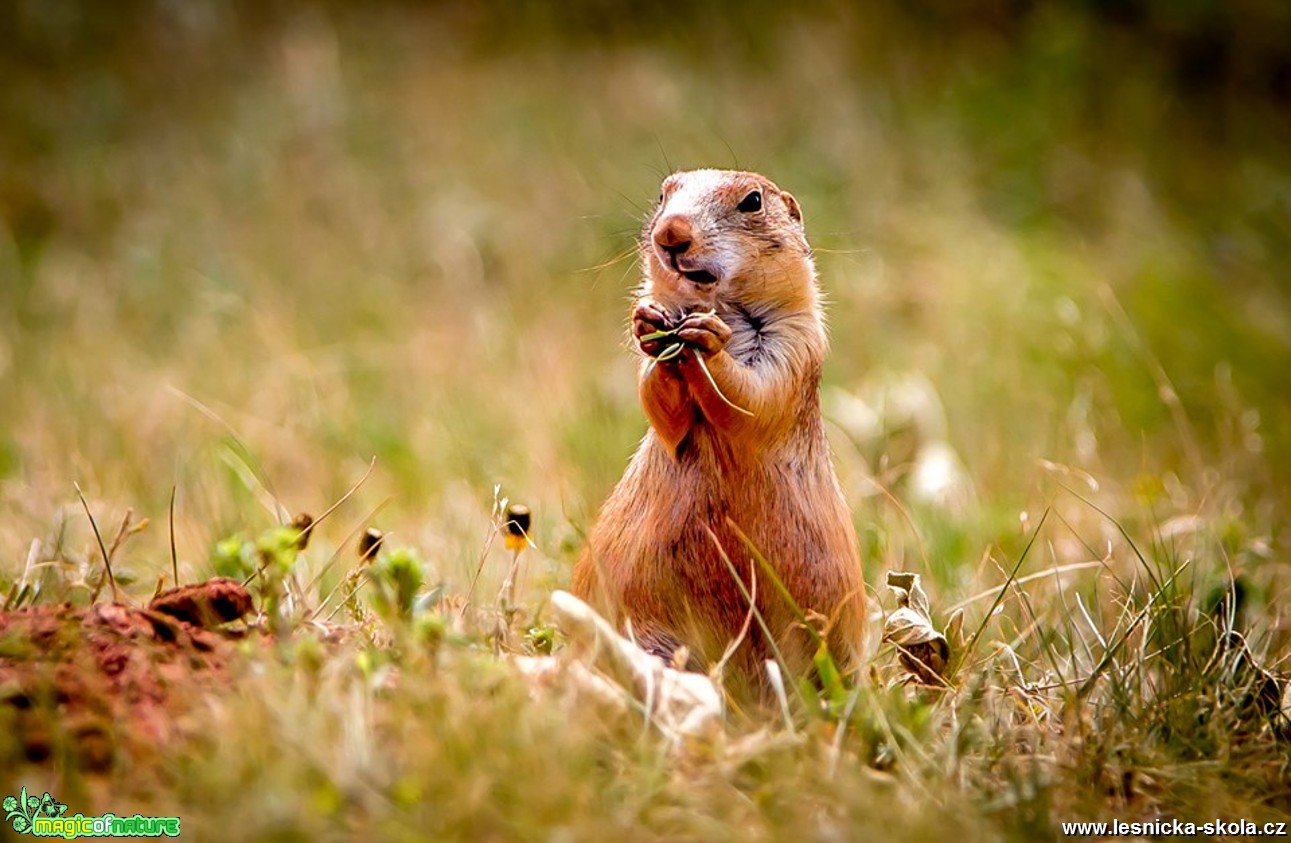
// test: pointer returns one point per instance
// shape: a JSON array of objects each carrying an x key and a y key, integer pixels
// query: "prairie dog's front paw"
[
  {"x": 650, "y": 318},
  {"x": 705, "y": 331}
]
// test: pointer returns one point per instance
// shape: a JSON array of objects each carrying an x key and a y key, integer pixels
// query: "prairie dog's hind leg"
[{"x": 663, "y": 644}]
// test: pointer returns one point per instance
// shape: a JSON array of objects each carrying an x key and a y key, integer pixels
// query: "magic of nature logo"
[{"x": 45, "y": 816}]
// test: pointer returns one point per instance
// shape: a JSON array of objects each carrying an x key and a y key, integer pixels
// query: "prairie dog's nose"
[{"x": 674, "y": 234}]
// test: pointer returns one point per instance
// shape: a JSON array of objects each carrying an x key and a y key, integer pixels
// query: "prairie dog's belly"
[
  {"x": 670, "y": 570},
  {"x": 702, "y": 489}
]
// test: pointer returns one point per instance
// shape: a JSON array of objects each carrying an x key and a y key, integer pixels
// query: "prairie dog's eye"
[{"x": 751, "y": 203}]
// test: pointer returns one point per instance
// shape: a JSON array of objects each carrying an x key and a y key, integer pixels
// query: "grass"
[{"x": 245, "y": 250}]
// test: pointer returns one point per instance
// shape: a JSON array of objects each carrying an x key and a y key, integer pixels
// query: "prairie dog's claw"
[
  {"x": 649, "y": 318},
  {"x": 705, "y": 331}
]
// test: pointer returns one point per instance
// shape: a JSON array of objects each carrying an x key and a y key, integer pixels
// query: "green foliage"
[
  {"x": 396, "y": 578},
  {"x": 542, "y": 639},
  {"x": 273, "y": 554},
  {"x": 277, "y": 550},
  {"x": 234, "y": 558}
]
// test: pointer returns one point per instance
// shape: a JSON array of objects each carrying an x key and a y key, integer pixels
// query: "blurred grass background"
[
  {"x": 282, "y": 238},
  {"x": 400, "y": 230}
]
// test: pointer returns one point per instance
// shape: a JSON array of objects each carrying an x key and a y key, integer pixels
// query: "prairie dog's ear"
[{"x": 792, "y": 205}]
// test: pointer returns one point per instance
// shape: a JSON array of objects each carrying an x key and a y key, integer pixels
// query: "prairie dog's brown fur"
[{"x": 726, "y": 258}]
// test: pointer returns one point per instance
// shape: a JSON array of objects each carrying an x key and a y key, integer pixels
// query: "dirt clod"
[
  {"x": 208, "y": 604},
  {"x": 109, "y": 676}
]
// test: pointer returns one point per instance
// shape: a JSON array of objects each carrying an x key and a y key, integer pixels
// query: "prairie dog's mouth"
[
  {"x": 699, "y": 276},
  {"x": 694, "y": 274}
]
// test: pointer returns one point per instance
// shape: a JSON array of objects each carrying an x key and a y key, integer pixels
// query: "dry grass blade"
[
  {"x": 107, "y": 562},
  {"x": 744, "y": 628},
  {"x": 703, "y": 367},
  {"x": 365, "y": 559},
  {"x": 1120, "y": 528},
  {"x": 1166, "y": 391},
  {"x": 1030, "y": 578},
  {"x": 341, "y": 500},
  {"x": 671, "y": 352},
  {"x": 780, "y": 588},
  {"x": 1110, "y": 653},
  {"x": 1003, "y": 589},
  {"x": 749, "y": 598},
  {"x": 675, "y": 350},
  {"x": 775, "y": 675},
  {"x": 499, "y": 507},
  {"x": 174, "y": 557},
  {"x": 239, "y": 450}
]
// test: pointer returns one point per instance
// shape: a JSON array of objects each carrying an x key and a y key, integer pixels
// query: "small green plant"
[
  {"x": 396, "y": 577},
  {"x": 266, "y": 564},
  {"x": 542, "y": 638}
]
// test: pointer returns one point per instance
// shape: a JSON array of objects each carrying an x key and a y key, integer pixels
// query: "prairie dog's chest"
[{"x": 752, "y": 336}]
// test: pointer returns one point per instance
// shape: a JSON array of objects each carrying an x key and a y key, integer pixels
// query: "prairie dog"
[{"x": 735, "y": 433}]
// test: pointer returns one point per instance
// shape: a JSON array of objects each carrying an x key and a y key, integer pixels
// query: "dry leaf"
[{"x": 925, "y": 652}]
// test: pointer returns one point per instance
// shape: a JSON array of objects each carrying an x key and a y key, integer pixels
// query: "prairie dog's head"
[{"x": 727, "y": 236}]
